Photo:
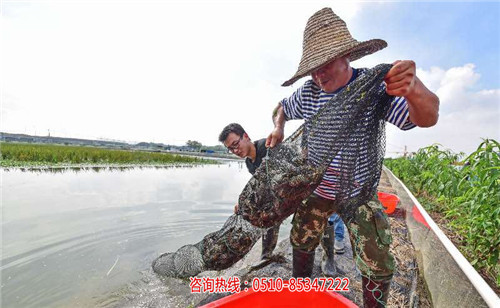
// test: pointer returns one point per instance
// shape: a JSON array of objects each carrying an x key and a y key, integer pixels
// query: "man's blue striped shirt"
[{"x": 309, "y": 98}]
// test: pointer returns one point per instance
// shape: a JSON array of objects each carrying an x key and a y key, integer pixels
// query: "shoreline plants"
[
  {"x": 29, "y": 154},
  {"x": 466, "y": 191}
]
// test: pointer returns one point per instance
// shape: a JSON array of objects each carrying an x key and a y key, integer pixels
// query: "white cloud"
[
  {"x": 432, "y": 78},
  {"x": 466, "y": 114},
  {"x": 163, "y": 71}
]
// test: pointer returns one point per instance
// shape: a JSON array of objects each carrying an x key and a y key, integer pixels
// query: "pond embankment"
[{"x": 462, "y": 195}]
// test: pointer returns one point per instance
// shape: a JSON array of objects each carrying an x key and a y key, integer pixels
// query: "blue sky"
[
  {"x": 170, "y": 71},
  {"x": 444, "y": 34}
]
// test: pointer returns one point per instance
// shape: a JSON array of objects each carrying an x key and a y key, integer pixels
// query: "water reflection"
[
  {"x": 97, "y": 169},
  {"x": 64, "y": 229}
]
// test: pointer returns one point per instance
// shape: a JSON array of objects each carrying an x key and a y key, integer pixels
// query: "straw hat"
[{"x": 327, "y": 38}]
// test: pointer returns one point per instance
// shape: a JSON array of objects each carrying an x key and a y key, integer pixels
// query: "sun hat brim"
[
  {"x": 327, "y": 38},
  {"x": 354, "y": 51}
]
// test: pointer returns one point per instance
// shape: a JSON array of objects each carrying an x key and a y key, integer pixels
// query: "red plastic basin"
[
  {"x": 285, "y": 298},
  {"x": 389, "y": 201}
]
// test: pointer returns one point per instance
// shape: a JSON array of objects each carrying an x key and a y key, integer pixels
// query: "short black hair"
[{"x": 231, "y": 128}]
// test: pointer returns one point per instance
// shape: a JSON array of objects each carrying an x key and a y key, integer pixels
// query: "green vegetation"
[
  {"x": 28, "y": 154},
  {"x": 194, "y": 144},
  {"x": 466, "y": 191}
]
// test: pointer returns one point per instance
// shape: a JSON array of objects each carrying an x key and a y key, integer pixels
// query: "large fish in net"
[{"x": 348, "y": 130}]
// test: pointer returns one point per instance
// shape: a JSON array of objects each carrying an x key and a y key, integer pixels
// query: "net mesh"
[
  {"x": 345, "y": 140},
  {"x": 346, "y": 136},
  {"x": 218, "y": 250}
]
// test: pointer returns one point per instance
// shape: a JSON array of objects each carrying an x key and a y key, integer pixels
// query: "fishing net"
[
  {"x": 284, "y": 179},
  {"x": 217, "y": 251},
  {"x": 346, "y": 138}
]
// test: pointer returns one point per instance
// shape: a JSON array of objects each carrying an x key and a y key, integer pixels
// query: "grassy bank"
[
  {"x": 28, "y": 154},
  {"x": 466, "y": 192}
]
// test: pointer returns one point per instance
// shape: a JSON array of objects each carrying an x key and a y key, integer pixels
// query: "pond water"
[{"x": 71, "y": 238}]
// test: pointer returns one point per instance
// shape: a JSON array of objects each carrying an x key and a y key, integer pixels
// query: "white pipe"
[{"x": 488, "y": 295}]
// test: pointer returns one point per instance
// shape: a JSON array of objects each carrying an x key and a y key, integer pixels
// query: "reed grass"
[{"x": 28, "y": 154}]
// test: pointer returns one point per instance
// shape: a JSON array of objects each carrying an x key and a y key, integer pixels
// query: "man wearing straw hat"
[{"x": 328, "y": 49}]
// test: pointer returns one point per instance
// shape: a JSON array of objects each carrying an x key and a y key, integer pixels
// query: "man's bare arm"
[
  {"x": 423, "y": 104},
  {"x": 277, "y": 134}
]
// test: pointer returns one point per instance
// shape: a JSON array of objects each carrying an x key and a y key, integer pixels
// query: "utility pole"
[{"x": 405, "y": 153}]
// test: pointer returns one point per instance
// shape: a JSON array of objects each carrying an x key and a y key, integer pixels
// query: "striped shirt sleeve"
[
  {"x": 399, "y": 114},
  {"x": 292, "y": 106}
]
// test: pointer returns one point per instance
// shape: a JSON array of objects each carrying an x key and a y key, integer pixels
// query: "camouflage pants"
[{"x": 369, "y": 231}]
